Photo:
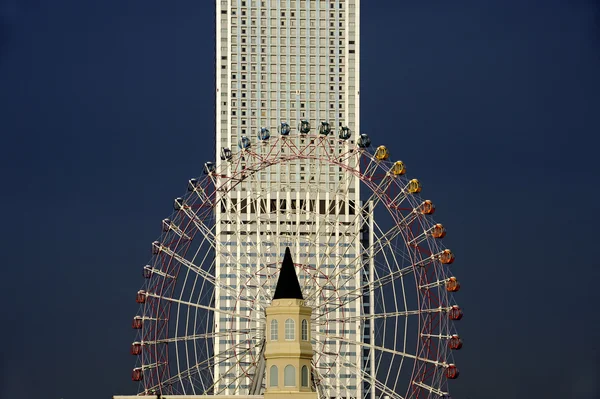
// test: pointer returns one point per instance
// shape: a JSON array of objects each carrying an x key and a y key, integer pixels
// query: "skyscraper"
[{"x": 283, "y": 67}]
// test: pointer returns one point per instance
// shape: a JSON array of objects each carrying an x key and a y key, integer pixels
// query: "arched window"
[
  {"x": 289, "y": 376},
  {"x": 274, "y": 327},
  {"x": 273, "y": 376},
  {"x": 304, "y": 330},
  {"x": 304, "y": 376},
  {"x": 290, "y": 327}
]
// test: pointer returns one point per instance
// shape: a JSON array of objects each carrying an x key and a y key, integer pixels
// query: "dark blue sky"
[{"x": 106, "y": 109}]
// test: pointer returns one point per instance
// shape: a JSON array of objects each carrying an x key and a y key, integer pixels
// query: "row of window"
[
  {"x": 289, "y": 376},
  {"x": 289, "y": 330}
]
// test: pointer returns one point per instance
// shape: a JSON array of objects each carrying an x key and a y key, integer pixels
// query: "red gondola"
[
  {"x": 137, "y": 374},
  {"x": 141, "y": 296},
  {"x": 452, "y": 372},
  {"x": 137, "y": 323},
  {"x": 455, "y": 313},
  {"x": 136, "y": 348},
  {"x": 455, "y": 343}
]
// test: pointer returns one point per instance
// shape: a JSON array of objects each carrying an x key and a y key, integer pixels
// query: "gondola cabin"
[
  {"x": 455, "y": 343},
  {"x": 344, "y": 133},
  {"x": 382, "y": 153},
  {"x": 304, "y": 127},
  {"x": 452, "y": 372},
  {"x": 264, "y": 134},
  {"x": 363, "y": 141},
  {"x": 325, "y": 129},
  {"x": 147, "y": 271},
  {"x": 446, "y": 257},
  {"x": 398, "y": 168},
  {"x": 452, "y": 285},
  {"x": 155, "y": 248},
  {"x": 209, "y": 167},
  {"x": 225, "y": 154},
  {"x": 136, "y": 348},
  {"x": 178, "y": 203},
  {"x": 438, "y": 231},
  {"x": 455, "y": 313},
  {"x": 137, "y": 374},
  {"x": 137, "y": 323},
  {"x": 141, "y": 296},
  {"x": 414, "y": 186},
  {"x": 427, "y": 208},
  {"x": 284, "y": 129},
  {"x": 244, "y": 142}
]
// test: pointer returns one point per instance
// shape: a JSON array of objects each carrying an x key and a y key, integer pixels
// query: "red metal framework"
[{"x": 194, "y": 214}]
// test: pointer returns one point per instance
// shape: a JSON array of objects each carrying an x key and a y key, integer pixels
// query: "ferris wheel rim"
[{"x": 267, "y": 165}]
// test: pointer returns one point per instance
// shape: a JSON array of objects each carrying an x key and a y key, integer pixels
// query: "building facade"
[{"x": 279, "y": 63}]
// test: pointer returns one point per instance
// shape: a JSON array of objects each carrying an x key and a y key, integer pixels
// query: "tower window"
[
  {"x": 289, "y": 376},
  {"x": 274, "y": 327},
  {"x": 304, "y": 330},
  {"x": 274, "y": 376},
  {"x": 304, "y": 376},
  {"x": 290, "y": 326}
]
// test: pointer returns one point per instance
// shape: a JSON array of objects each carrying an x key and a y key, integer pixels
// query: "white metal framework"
[{"x": 382, "y": 314}]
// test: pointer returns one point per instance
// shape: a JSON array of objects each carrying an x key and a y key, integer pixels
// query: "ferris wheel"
[{"x": 373, "y": 269}]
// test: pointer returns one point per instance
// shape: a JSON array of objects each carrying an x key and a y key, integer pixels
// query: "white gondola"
[
  {"x": 345, "y": 133},
  {"x": 244, "y": 142},
  {"x": 304, "y": 126},
  {"x": 264, "y": 134},
  {"x": 284, "y": 129},
  {"x": 363, "y": 141},
  {"x": 325, "y": 129}
]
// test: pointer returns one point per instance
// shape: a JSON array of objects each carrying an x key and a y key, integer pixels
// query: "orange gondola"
[
  {"x": 438, "y": 231},
  {"x": 452, "y": 285},
  {"x": 427, "y": 208},
  {"x": 446, "y": 257}
]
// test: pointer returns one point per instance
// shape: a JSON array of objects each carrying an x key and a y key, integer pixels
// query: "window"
[
  {"x": 274, "y": 333},
  {"x": 304, "y": 376},
  {"x": 289, "y": 376},
  {"x": 290, "y": 326},
  {"x": 304, "y": 330},
  {"x": 273, "y": 376}
]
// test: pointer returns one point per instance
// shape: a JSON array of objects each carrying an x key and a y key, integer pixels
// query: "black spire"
[{"x": 287, "y": 284}]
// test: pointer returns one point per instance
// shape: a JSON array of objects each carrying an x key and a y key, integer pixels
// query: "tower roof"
[{"x": 287, "y": 284}]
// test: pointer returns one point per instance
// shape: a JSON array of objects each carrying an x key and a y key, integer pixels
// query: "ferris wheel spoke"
[
  {"x": 431, "y": 389},
  {"x": 202, "y": 366},
  {"x": 377, "y": 316},
  {"x": 197, "y": 305},
  {"x": 371, "y": 285},
  {"x": 193, "y": 337},
  {"x": 190, "y": 265},
  {"x": 201, "y": 226},
  {"x": 169, "y": 225},
  {"x": 387, "y": 350},
  {"x": 368, "y": 377}
]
